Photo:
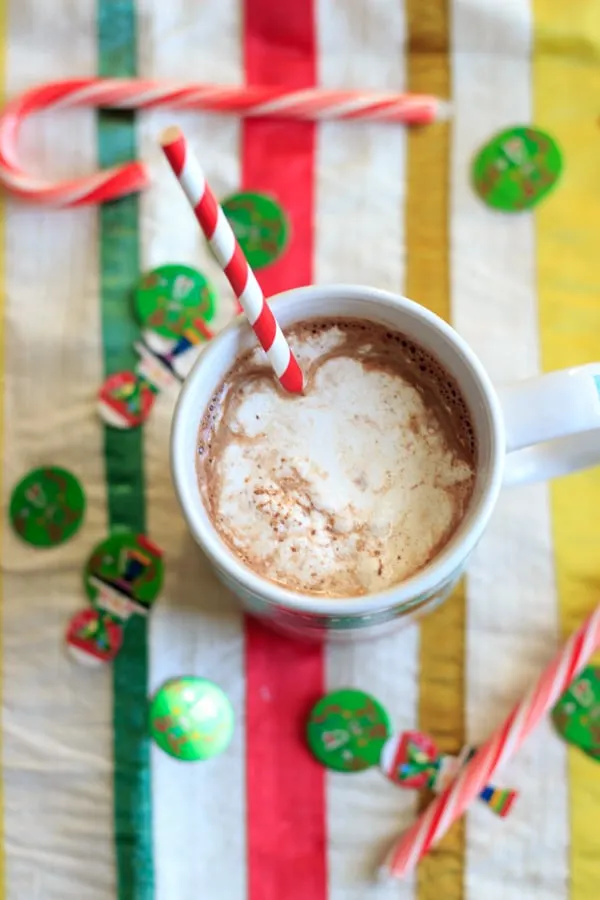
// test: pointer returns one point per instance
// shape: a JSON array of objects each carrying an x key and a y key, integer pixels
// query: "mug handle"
[{"x": 552, "y": 424}]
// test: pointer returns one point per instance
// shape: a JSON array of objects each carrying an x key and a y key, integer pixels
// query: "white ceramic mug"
[{"x": 529, "y": 431}]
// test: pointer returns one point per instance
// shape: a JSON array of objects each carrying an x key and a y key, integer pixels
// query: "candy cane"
[
  {"x": 312, "y": 104},
  {"x": 503, "y": 744}
]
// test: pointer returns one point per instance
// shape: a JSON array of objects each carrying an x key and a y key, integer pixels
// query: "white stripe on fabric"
[
  {"x": 359, "y": 237},
  {"x": 199, "y": 810},
  {"x": 512, "y": 604},
  {"x": 57, "y": 716}
]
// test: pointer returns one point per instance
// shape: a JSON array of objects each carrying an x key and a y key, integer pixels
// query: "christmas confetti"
[
  {"x": 93, "y": 638},
  {"x": 347, "y": 729},
  {"x": 170, "y": 299},
  {"x": 260, "y": 226},
  {"x": 576, "y": 716},
  {"x": 47, "y": 506},
  {"x": 124, "y": 575},
  {"x": 191, "y": 719},
  {"x": 125, "y": 400},
  {"x": 516, "y": 168},
  {"x": 411, "y": 760}
]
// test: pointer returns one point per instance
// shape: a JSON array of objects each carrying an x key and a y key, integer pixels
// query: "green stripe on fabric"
[{"x": 119, "y": 270}]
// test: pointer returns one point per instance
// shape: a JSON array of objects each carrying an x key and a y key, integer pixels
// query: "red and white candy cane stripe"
[
  {"x": 449, "y": 806},
  {"x": 229, "y": 254},
  {"x": 311, "y": 104}
]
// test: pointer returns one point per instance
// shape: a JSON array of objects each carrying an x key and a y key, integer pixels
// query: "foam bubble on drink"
[{"x": 355, "y": 485}]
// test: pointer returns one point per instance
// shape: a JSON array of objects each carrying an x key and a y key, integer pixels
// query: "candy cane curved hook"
[{"x": 96, "y": 188}]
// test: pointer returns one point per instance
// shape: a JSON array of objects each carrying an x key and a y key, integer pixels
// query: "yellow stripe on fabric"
[
  {"x": 442, "y": 645},
  {"x": 567, "y": 105}
]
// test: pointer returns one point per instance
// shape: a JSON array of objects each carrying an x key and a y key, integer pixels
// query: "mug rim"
[{"x": 426, "y": 581}]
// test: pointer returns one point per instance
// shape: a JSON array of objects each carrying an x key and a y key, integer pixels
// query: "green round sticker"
[
  {"x": 347, "y": 729},
  {"x": 576, "y": 716},
  {"x": 516, "y": 168},
  {"x": 124, "y": 575},
  {"x": 47, "y": 506},
  {"x": 260, "y": 226},
  {"x": 170, "y": 299},
  {"x": 191, "y": 719}
]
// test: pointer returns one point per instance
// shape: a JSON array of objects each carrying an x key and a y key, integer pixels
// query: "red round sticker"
[
  {"x": 93, "y": 638},
  {"x": 125, "y": 400}
]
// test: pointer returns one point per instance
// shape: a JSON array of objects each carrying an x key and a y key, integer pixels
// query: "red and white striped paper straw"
[
  {"x": 229, "y": 254},
  {"x": 504, "y": 743},
  {"x": 311, "y": 104}
]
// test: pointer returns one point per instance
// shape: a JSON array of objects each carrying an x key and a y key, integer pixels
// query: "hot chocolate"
[{"x": 355, "y": 485}]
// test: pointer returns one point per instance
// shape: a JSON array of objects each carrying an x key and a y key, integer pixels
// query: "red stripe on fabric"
[
  {"x": 265, "y": 327},
  {"x": 206, "y": 211},
  {"x": 237, "y": 271},
  {"x": 175, "y": 153},
  {"x": 285, "y": 786}
]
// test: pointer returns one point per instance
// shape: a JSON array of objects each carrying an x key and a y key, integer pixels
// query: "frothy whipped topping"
[{"x": 355, "y": 485}]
